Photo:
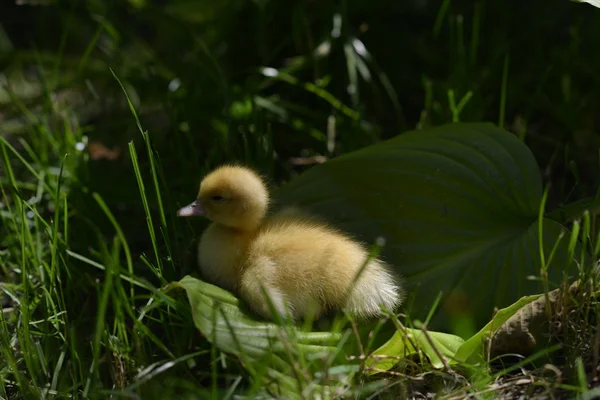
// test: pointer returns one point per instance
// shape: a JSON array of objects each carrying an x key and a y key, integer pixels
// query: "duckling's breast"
[{"x": 220, "y": 254}]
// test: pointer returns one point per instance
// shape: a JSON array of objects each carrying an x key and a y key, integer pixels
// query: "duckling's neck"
[{"x": 250, "y": 222}]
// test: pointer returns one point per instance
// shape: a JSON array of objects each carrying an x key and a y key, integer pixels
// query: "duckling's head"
[{"x": 233, "y": 196}]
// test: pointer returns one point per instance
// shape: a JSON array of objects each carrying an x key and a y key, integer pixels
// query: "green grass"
[{"x": 89, "y": 246}]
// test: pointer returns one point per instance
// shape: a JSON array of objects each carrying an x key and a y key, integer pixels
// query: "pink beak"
[{"x": 194, "y": 209}]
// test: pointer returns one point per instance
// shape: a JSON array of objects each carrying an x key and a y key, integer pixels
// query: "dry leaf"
[
  {"x": 521, "y": 332},
  {"x": 99, "y": 151}
]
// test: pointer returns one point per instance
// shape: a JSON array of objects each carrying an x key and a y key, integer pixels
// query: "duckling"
[{"x": 305, "y": 267}]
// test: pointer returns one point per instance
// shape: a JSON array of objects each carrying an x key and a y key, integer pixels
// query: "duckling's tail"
[{"x": 375, "y": 288}]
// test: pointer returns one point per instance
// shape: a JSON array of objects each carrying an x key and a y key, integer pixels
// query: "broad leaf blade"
[
  {"x": 214, "y": 308},
  {"x": 457, "y": 206},
  {"x": 221, "y": 319},
  {"x": 473, "y": 349},
  {"x": 523, "y": 327},
  {"x": 409, "y": 342}
]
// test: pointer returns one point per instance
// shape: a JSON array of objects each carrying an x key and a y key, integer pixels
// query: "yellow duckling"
[{"x": 305, "y": 267}]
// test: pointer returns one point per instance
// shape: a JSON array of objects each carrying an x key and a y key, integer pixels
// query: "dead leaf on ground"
[
  {"x": 521, "y": 332},
  {"x": 99, "y": 151}
]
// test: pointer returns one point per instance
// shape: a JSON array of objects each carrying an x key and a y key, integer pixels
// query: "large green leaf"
[
  {"x": 271, "y": 353},
  {"x": 523, "y": 327},
  {"x": 473, "y": 349},
  {"x": 458, "y": 207},
  {"x": 217, "y": 314},
  {"x": 407, "y": 342},
  {"x": 506, "y": 332}
]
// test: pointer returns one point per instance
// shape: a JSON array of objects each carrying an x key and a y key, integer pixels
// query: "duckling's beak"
[{"x": 194, "y": 209}]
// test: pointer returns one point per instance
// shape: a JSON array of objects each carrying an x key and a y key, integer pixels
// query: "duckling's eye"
[{"x": 217, "y": 198}]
